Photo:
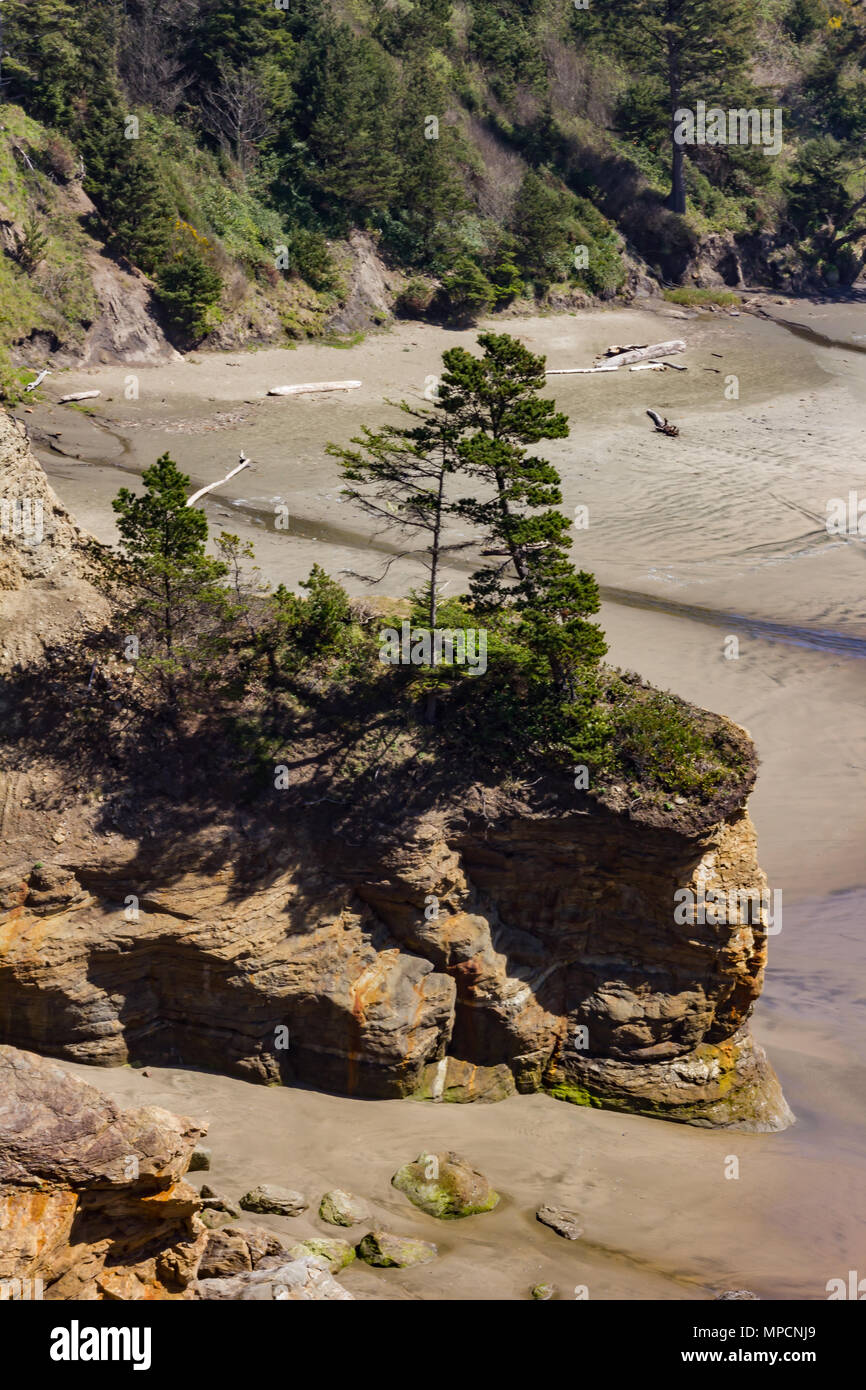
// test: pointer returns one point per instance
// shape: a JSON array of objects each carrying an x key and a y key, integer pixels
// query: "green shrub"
[
  {"x": 310, "y": 257},
  {"x": 692, "y": 297},
  {"x": 11, "y": 380},
  {"x": 660, "y": 743},
  {"x": 318, "y": 624},
  {"x": 467, "y": 291},
  {"x": 188, "y": 283},
  {"x": 416, "y": 297}
]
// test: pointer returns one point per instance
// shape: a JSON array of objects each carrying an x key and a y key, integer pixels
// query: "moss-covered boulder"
[
  {"x": 445, "y": 1185},
  {"x": 335, "y": 1253},
  {"x": 340, "y": 1208},
  {"x": 542, "y": 1292},
  {"x": 385, "y": 1250}
]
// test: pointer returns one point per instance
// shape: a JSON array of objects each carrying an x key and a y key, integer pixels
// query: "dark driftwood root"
[{"x": 662, "y": 425}]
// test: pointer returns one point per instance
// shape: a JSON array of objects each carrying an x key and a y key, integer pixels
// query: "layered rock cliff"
[{"x": 459, "y": 964}]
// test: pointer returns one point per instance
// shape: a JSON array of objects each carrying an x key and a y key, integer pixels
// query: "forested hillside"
[{"x": 494, "y": 149}]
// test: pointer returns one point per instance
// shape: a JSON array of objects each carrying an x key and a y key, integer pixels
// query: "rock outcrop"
[
  {"x": 45, "y": 593},
  {"x": 92, "y": 1198},
  {"x": 469, "y": 946},
  {"x": 555, "y": 954}
]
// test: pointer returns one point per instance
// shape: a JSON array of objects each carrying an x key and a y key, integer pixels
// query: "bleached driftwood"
[
  {"x": 80, "y": 396},
  {"x": 648, "y": 367},
  {"x": 578, "y": 371},
  {"x": 616, "y": 349},
  {"x": 654, "y": 351},
  {"x": 244, "y": 463},
  {"x": 313, "y": 386},
  {"x": 31, "y": 385}
]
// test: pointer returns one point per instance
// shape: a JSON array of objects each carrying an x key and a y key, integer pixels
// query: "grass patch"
[{"x": 693, "y": 298}]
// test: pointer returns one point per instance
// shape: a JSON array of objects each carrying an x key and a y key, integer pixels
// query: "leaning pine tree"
[
  {"x": 494, "y": 403},
  {"x": 398, "y": 476}
]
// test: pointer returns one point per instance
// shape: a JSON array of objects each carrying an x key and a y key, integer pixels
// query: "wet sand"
[{"x": 716, "y": 534}]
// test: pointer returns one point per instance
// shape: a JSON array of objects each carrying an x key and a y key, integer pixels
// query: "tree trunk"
[
  {"x": 677, "y": 198},
  {"x": 430, "y": 710}
]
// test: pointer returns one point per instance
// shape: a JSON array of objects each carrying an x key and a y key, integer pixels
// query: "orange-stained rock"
[
  {"x": 92, "y": 1200},
  {"x": 323, "y": 968}
]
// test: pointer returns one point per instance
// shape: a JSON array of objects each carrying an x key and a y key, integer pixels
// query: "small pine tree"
[
  {"x": 32, "y": 246},
  {"x": 399, "y": 477},
  {"x": 494, "y": 402},
  {"x": 172, "y": 583}
]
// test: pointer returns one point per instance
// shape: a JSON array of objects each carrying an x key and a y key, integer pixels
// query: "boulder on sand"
[
  {"x": 445, "y": 1185},
  {"x": 340, "y": 1208},
  {"x": 278, "y": 1201},
  {"x": 385, "y": 1250},
  {"x": 565, "y": 1223},
  {"x": 335, "y": 1254}
]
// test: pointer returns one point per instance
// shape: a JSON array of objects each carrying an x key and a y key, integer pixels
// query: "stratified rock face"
[
  {"x": 554, "y": 958},
  {"x": 92, "y": 1200},
  {"x": 43, "y": 557}
]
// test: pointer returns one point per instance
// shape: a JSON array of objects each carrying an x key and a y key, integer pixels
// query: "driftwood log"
[
  {"x": 616, "y": 349},
  {"x": 311, "y": 387},
  {"x": 244, "y": 463},
  {"x": 80, "y": 396},
  {"x": 580, "y": 371},
  {"x": 662, "y": 425},
  {"x": 643, "y": 354}
]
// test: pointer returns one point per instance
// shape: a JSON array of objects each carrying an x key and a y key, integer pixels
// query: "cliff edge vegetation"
[{"x": 439, "y": 846}]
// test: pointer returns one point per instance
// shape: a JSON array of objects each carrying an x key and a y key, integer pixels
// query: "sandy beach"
[{"x": 718, "y": 533}]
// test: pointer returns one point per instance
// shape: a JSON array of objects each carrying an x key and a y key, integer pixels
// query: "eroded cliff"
[
  {"x": 474, "y": 956},
  {"x": 440, "y": 938}
]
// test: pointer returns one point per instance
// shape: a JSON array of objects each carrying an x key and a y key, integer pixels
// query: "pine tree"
[
  {"x": 347, "y": 89},
  {"x": 539, "y": 227},
  {"x": 494, "y": 402},
  {"x": 693, "y": 48},
  {"x": 40, "y": 58},
  {"x": 399, "y": 477},
  {"x": 172, "y": 583},
  {"x": 430, "y": 197}
]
